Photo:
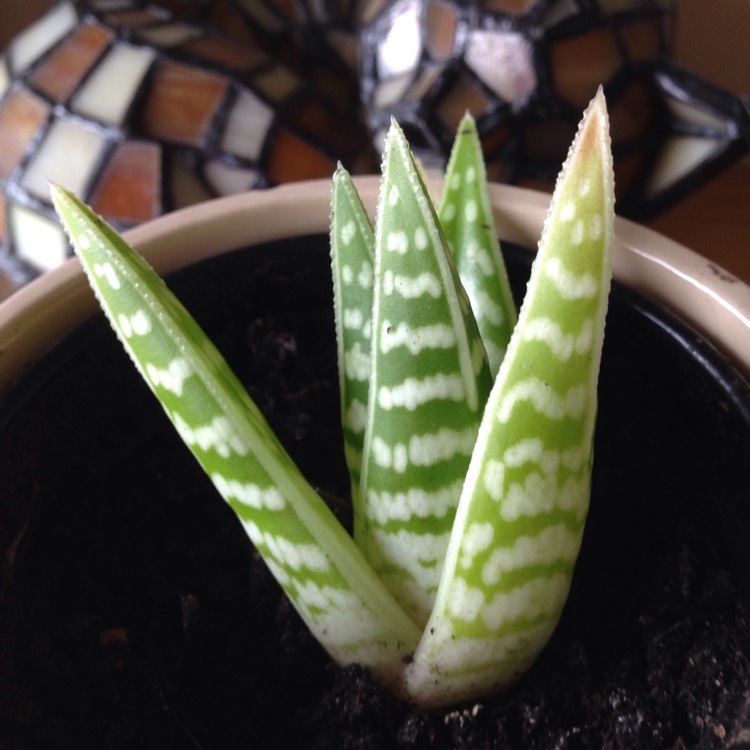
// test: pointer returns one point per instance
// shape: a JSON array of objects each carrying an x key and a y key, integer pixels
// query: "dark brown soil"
[{"x": 134, "y": 612}]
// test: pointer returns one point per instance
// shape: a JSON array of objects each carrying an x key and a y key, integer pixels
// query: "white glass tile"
[
  {"x": 68, "y": 156},
  {"x": 107, "y": 94},
  {"x": 247, "y": 126},
  {"x": 228, "y": 180},
  {"x": 4, "y": 76},
  {"x": 41, "y": 35},
  {"x": 391, "y": 91},
  {"x": 401, "y": 46},
  {"x": 503, "y": 61},
  {"x": 680, "y": 155},
  {"x": 696, "y": 116},
  {"x": 39, "y": 241},
  {"x": 169, "y": 34}
]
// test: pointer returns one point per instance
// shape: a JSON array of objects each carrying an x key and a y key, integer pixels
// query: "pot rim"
[{"x": 697, "y": 290}]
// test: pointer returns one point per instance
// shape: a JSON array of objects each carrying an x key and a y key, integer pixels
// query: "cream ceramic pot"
[{"x": 703, "y": 295}]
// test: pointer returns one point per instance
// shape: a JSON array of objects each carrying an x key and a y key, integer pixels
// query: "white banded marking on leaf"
[
  {"x": 443, "y": 445},
  {"x": 348, "y": 231},
  {"x": 579, "y": 232},
  {"x": 562, "y": 345},
  {"x": 477, "y": 539},
  {"x": 540, "y": 494},
  {"x": 568, "y": 284},
  {"x": 539, "y": 598},
  {"x": 420, "y": 238},
  {"x": 353, "y": 318},
  {"x": 470, "y": 210},
  {"x": 137, "y": 324},
  {"x": 425, "y": 549},
  {"x": 364, "y": 277},
  {"x": 438, "y": 336},
  {"x": 173, "y": 377},
  {"x": 107, "y": 272},
  {"x": 357, "y": 363},
  {"x": 596, "y": 227},
  {"x": 415, "y": 392},
  {"x": 544, "y": 400},
  {"x": 493, "y": 478},
  {"x": 412, "y": 287},
  {"x": 356, "y": 415},
  {"x": 397, "y": 242},
  {"x": 553, "y": 544},
  {"x": 218, "y": 435},
  {"x": 296, "y": 556},
  {"x": 414, "y": 502},
  {"x": 247, "y": 493},
  {"x": 531, "y": 450},
  {"x": 466, "y": 602},
  {"x": 568, "y": 212}
]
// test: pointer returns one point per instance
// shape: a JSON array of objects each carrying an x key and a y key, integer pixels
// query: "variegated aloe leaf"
[
  {"x": 353, "y": 260},
  {"x": 316, "y": 562},
  {"x": 428, "y": 384},
  {"x": 520, "y": 520},
  {"x": 466, "y": 217}
]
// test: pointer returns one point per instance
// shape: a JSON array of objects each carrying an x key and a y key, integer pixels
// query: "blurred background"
[{"x": 711, "y": 39}]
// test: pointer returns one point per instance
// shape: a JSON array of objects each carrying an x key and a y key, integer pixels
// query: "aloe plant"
[{"x": 468, "y": 436}]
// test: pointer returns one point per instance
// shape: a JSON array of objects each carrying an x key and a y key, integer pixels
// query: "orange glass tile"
[
  {"x": 61, "y": 72},
  {"x": 3, "y": 222},
  {"x": 440, "y": 26},
  {"x": 129, "y": 190},
  {"x": 580, "y": 63},
  {"x": 548, "y": 140},
  {"x": 634, "y": 112},
  {"x": 182, "y": 103},
  {"x": 292, "y": 159},
  {"x": 460, "y": 98},
  {"x": 315, "y": 120},
  {"x": 628, "y": 169},
  {"x": 224, "y": 15},
  {"x": 643, "y": 41},
  {"x": 225, "y": 52},
  {"x": 21, "y": 116},
  {"x": 494, "y": 139}
]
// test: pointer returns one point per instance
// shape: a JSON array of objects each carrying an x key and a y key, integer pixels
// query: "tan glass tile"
[
  {"x": 134, "y": 19},
  {"x": 440, "y": 30},
  {"x": 182, "y": 103},
  {"x": 68, "y": 155},
  {"x": 581, "y": 63},
  {"x": 514, "y": 7},
  {"x": 221, "y": 51},
  {"x": 30, "y": 44},
  {"x": 558, "y": 11},
  {"x": 185, "y": 187},
  {"x": 292, "y": 159},
  {"x": 425, "y": 80},
  {"x": 109, "y": 91},
  {"x": 21, "y": 116},
  {"x": 59, "y": 75},
  {"x": 503, "y": 61},
  {"x": 247, "y": 126},
  {"x": 129, "y": 189},
  {"x": 277, "y": 83},
  {"x": 3, "y": 223},
  {"x": 262, "y": 16}
]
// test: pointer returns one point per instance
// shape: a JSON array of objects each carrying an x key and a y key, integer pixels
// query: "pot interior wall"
[{"x": 129, "y": 590}]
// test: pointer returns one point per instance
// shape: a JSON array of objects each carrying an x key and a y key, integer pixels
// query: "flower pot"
[{"x": 134, "y": 612}]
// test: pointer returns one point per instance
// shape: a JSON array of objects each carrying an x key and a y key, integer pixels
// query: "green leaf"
[
  {"x": 353, "y": 259},
  {"x": 429, "y": 382},
  {"x": 316, "y": 562},
  {"x": 520, "y": 520},
  {"x": 466, "y": 217}
]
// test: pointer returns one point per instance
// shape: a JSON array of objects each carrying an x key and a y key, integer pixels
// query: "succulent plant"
[{"x": 468, "y": 435}]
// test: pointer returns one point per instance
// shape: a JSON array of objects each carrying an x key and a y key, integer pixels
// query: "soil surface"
[{"x": 134, "y": 613}]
